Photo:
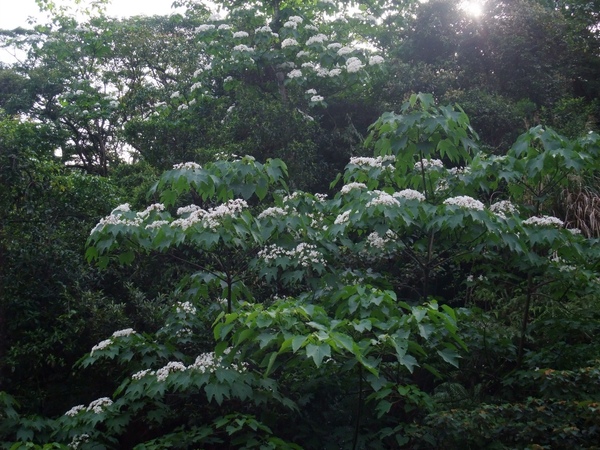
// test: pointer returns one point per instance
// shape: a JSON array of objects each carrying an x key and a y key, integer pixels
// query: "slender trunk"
[{"x": 525, "y": 319}]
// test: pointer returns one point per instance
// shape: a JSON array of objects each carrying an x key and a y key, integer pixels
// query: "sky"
[{"x": 14, "y": 13}]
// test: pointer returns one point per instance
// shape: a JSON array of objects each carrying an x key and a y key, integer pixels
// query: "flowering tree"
[{"x": 309, "y": 299}]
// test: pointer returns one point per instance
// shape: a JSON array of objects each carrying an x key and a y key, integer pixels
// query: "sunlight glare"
[{"x": 472, "y": 7}]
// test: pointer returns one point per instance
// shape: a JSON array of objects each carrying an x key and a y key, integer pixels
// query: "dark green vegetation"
[{"x": 173, "y": 276}]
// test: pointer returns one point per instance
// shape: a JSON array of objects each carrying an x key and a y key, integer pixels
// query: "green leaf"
[
  {"x": 450, "y": 356},
  {"x": 318, "y": 352}
]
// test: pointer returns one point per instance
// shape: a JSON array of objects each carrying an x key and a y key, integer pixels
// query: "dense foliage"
[{"x": 248, "y": 227}]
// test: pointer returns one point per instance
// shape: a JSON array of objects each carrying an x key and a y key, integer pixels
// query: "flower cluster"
[
  {"x": 354, "y": 65},
  {"x": 187, "y": 166},
  {"x": 173, "y": 366},
  {"x": 383, "y": 198},
  {"x": 351, "y": 186},
  {"x": 78, "y": 441},
  {"x": 426, "y": 164},
  {"x": 75, "y": 410},
  {"x": 503, "y": 208},
  {"x": 343, "y": 217},
  {"x": 101, "y": 345},
  {"x": 211, "y": 218},
  {"x": 99, "y": 405},
  {"x": 464, "y": 201},
  {"x": 543, "y": 221},
  {"x": 372, "y": 162},
  {"x": 409, "y": 194},
  {"x": 377, "y": 241},
  {"x": 186, "y": 308},
  {"x": 141, "y": 374},
  {"x": 274, "y": 212},
  {"x": 155, "y": 207},
  {"x": 304, "y": 254},
  {"x": 124, "y": 333}
]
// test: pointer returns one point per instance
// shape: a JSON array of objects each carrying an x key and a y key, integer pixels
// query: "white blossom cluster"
[
  {"x": 377, "y": 241},
  {"x": 173, "y": 366},
  {"x": 464, "y": 201},
  {"x": 503, "y": 208},
  {"x": 141, "y": 374},
  {"x": 343, "y": 217},
  {"x": 75, "y": 410},
  {"x": 187, "y": 166},
  {"x": 187, "y": 209},
  {"x": 351, "y": 186},
  {"x": 114, "y": 219},
  {"x": 383, "y": 198},
  {"x": 240, "y": 34},
  {"x": 429, "y": 164},
  {"x": 289, "y": 42},
  {"x": 375, "y": 60},
  {"x": 562, "y": 264},
  {"x": 409, "y": 194},
  {"x": 205, "y": 27},
  {"x": 154, "y": 207},
  {"x": 124, "y": 333},
  {"x": 334, "y": 46},
  {"x": 343, "y": 50},
  {"x": 372, "y": 162},
  {"x": 296, "y": 73},
  {"x": 243, "y": 48},
  {"x": 543, "y": 221},
  {"x": 186, "y": 308},
  {"x": 305, "y": 254},
  {"x": 78, "y": 441},
  {"x": 101, "y": 345},
  {"x": 157, "y": 224},
  {"x": 316, "y": 39},
  {"x": 274, "y": 212},
  {"x": 99, "y": 405},
  {"x": 317, "y": 98},
  {"x": 211, "y": 218},
  {"x": 354, "y": 65}
]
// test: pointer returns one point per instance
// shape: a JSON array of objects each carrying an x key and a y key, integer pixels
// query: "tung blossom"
[{"x": 464, "y": 201}]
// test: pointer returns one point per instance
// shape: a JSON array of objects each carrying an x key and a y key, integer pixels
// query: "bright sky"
[{"x": 14, "y": 13}]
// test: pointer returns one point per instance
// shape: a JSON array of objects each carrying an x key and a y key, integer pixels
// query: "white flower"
[
  {"x": 351, "y": 186},
  {"x": 544, "y": 221},
  {"x": 296, "y": 19},
  {"x": 303, "y": 254},
  {"x": 375, "y": 60},
  {"x": 186, "y": 308},
  {"x": 342, "y": 218},
  {"x": 409, "y": 194},
  {"x": 290, "y": 24},
  {"x": 316, "y": 39},
  {"x": 574, "y": 231},
  {"x": 382, "y": 198},
  {"x": 182, "y": 107},
  {"x": 372, "y": 162},
  {"x": 377, "y": 241},
  {"x": 354, "y": 64},
  {"x": 243, "y": 48},
  {"x": 196, "y": 85},
  {"x": 75, "y": 410},
  {"x": 125, "y": 207},
  {"x": 289, "y": 42},
  {"x": 240, "y": 34},
  {"x": 175, "y": 94},
  {"x": 428, "y": 164},
  {"x": 123, "y": 333},
  {"x": 296, "y": 73},
  {"x": 265, "y": 29},
  {"x": 302, "y": 53},
  {"x": 205, "y": 27},
  {"x": 173, "y": 366},
  {"x": 101, "y": 345},
  {"x": 345, "y": 50},
  {"x": 502, "y": 208},
  {"x": 272, "y": 212},
  {"x": 141, "y": 374},
  {"x": 98, "y": 405},
  {"x": 464, "y": 201},
  {"x": 334, "y": 45},
  {"x": 317, "y": 98},
  {"x": 334, "y": 72},
  {"x": 187, "y": 209},
  {"x": 311, "y": 92},
  {"x": 224, "y": 26},
  {"x": 228, "y": 79},
  {"x": 156, "y": 224},
  {"x": 187, "y": 166}
]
